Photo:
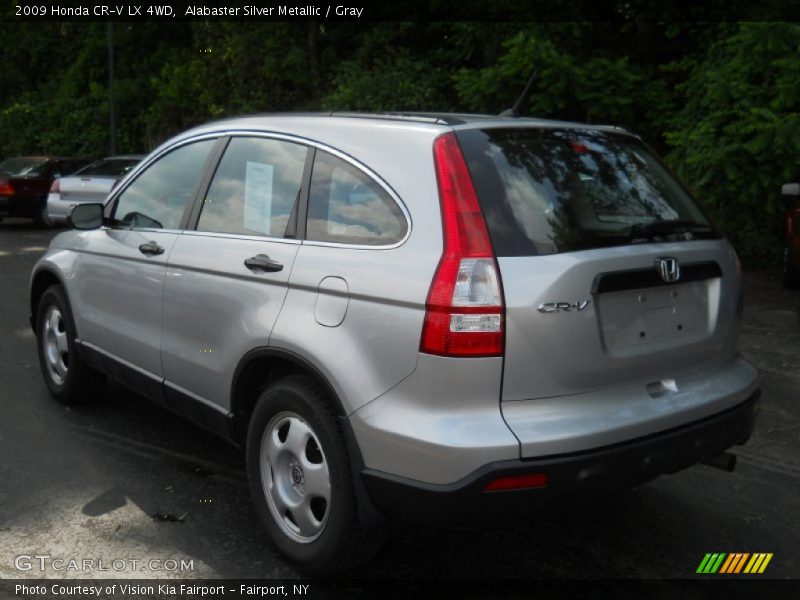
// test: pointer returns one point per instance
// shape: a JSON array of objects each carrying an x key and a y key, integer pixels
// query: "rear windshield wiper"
[{"x": 670, "y": 229}]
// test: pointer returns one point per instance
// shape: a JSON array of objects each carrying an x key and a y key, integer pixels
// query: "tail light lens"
[
  {"x": 465, "y": 310},
  {"x": 6, "y": 189},
  {"x": 55, "y": 188}
]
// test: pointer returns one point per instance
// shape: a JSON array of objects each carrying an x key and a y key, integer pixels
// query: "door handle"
[
  {"x": 151, "y": 249},
  {"x": 262, "y": 262}
]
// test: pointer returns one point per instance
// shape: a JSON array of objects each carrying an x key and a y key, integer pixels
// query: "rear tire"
[
  {"x": 69, "y": 379},
  {"x": 42, "y": 218},
  {"x": 301, "y": 481},
  {"x": 791, "y": 274}
]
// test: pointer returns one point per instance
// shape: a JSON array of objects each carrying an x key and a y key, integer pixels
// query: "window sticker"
[{"x": 258, "y": 196}]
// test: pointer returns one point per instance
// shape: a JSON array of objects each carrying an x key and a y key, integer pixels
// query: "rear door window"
[
  {"x": 544, "y": 191},
  {"x": 255, "y": 188}
]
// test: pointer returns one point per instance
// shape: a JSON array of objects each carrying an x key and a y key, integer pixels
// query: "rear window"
[
  {"x": 114, "y": 167},
  {"x": 23, "y": 166},
  {"x": 545, "y": 191}
]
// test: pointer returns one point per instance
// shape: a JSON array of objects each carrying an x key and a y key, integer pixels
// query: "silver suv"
[{"x": 407, "y": 316}]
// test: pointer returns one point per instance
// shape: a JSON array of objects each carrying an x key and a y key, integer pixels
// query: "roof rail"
[{"x": 401, "y": 116}]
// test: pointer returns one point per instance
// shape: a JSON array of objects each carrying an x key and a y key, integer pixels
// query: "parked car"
[
  {"x": 791, "y": 252},
  {"x": 89, "y": 184},
  {"x": 444, "y": 318},
  {"x": 25, "y": 182}
]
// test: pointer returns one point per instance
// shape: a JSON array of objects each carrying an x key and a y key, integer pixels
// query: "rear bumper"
[
  {"x": 57, "y": 209},
  {"x": 583, "y": 474},
  {"x": 19, "y": 206}
]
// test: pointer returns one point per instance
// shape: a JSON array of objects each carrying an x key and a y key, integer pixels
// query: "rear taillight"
[
  {"x": 6, "y": 189},
  {"x": 55, "y": 188},
  {"x": 464, "y": 311}
]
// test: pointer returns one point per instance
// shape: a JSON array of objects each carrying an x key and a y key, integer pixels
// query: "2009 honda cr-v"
[{"x": 453, "y": 317}]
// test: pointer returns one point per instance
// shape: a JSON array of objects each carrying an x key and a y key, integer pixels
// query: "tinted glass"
[
  {"x": 255, "y": 188},
  {"x": 346, "y": 206},
  {"x": 544, "y": 191},
  {"x": 109, "y": 167},
  {"x": 22, "y": 166},
  {"x": 62, "y": 168},
  {"x": 159, "y": 195}
]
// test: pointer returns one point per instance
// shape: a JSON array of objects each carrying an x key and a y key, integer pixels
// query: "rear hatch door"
[{"x": 611, "y": 273}]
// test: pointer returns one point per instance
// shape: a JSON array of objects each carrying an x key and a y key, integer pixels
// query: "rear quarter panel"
[{"x": 376, "y": 345}]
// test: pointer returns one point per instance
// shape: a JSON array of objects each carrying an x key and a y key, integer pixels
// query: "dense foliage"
[{"x": 720, "y": 101}]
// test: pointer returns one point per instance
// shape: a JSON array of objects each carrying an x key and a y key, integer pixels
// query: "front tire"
[
  {"x": 301, "y": 481},
  {"x": 69, "y": 379}
]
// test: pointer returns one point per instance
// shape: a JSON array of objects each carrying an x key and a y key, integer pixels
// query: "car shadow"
[{"x": 197, "y": 499}]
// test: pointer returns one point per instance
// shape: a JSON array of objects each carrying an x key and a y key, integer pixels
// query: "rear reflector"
[
  {"x": 465, "y": 310},
  {"x": 517, "y": 482}
]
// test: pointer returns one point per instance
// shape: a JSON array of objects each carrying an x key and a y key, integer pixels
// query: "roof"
[
  {"x": 340, "y": 129},
  {"x": 432, "y": 117}
]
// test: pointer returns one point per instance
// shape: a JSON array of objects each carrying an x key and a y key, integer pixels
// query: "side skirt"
[{"x": 198, "y": 410}]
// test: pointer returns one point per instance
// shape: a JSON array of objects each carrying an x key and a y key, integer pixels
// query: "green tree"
[{"x": 737, "y": 137}]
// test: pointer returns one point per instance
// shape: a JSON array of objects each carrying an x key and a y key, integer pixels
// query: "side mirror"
[
  {"x": 86, "y": 216},
  {"x": 790, "y": 189}
]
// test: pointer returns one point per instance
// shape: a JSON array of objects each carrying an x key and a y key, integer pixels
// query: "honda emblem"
[{"x": 667, "y": 268}]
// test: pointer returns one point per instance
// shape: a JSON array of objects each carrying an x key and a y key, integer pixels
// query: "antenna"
[{"x": 514, "y": 110}]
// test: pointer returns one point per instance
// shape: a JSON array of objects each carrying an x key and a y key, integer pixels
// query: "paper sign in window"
[{"x": 258, "y": 197}]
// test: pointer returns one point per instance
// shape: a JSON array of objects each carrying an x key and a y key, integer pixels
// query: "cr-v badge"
[{"x": 551, "y": 307}]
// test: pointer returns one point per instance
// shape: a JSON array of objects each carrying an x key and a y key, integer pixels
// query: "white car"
[{"x": 90, "y": 184}]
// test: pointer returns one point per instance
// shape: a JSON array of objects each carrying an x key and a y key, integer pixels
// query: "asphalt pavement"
[{"x": 123, "y": 480}]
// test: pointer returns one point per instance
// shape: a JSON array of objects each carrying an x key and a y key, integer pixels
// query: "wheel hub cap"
[
  {"x": 295, "y": 477},
  {"x": 54, "y": 345}
]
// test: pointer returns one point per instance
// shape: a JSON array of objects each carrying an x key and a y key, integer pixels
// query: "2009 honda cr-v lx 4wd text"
[{"x": 407, "y": 316}]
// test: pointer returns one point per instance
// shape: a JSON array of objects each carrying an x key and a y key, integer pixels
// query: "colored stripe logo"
[{"x": 734, "y": 563}]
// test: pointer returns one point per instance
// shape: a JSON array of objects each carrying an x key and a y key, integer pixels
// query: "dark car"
[
  {"x": 25, "y": 182},
  {"x": 791, "y": 251}
]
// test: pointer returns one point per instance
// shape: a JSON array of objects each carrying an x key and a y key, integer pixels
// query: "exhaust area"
[{"x": 724, "y": 460}]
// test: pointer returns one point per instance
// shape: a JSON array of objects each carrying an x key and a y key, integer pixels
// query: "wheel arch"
[
  {"x": 40, "y": 282},
  {"x": 260, "y": 367},
  {"x": 256, "y": 370}
]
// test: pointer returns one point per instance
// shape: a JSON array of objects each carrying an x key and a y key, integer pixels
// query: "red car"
[
  {"x": 25, "y": 182},
  {"x": 791, "y": 253}
]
